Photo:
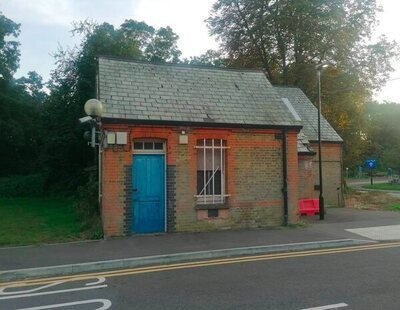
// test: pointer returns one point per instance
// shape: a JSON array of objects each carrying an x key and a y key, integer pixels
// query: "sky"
[{"x": 47, "y": 24}]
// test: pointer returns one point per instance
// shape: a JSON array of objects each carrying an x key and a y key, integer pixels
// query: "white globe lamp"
[{"x": 94, "y": 108}]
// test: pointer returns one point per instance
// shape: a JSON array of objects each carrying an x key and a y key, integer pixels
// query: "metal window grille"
[{"x": 211, "y": 171}]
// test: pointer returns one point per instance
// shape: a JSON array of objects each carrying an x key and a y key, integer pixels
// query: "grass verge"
[
  {"x": 384, "y": 186},
  {"x": 395, "y": 207},
  {"x": 372, "y": 200},
  {"x": 38, "y": 220}
]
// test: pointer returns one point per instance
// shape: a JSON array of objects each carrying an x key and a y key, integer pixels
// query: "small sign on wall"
[{"x": 183, "y": 138}]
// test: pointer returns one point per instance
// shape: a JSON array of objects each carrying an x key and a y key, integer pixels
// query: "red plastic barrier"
[{"x": 308, "y": 206}]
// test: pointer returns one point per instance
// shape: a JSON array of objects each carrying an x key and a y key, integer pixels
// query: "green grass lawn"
[
  {"x": 37, "y": 220},
  {"x": 384, "y": 186}
]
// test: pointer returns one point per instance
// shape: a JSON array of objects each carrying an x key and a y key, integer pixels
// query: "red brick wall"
[
  {"x": 293, "y": 176},
  {"x": 113, "y": 162},
  {"x": 306, "y": 177},
  {"x": 331, "y": 172},
  {"x": 253, "y": 178}
]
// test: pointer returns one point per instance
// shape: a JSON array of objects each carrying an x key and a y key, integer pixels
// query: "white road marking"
[
  {"x": 29, "y": 290},
  {"x": 106, "y": 304},
  {"x": 2, "y": 289},
  {"x": 390, "y": 232},
  {"x": 99, "y": 280},
  {"x": 54, "y": 292},
  {"x": 327, "y": 307}
]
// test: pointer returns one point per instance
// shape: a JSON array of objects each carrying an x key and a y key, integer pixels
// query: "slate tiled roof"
[
  {"x": 303, "y": 145},
  {"x": 150, "y": 92},
  {"x": 309, "y": 115}
]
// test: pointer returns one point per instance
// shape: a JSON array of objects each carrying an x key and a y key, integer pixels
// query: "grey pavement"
[
  {"x": 333, "y": 228},
  {"x": 147, "y": 245}
]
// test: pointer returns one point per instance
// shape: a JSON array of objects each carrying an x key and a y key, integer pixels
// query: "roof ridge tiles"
[{"x": 181, "y": 65}]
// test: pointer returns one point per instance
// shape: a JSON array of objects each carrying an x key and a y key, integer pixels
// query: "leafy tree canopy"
[
  {"x": 383, "y": 134},
  {"x": 281, "y": 35},
  {"x": 34, "y": 86},
  {"x": 20, "y": 137},
  {"x": 9, "y": 52},
  {"x": 73, "y": 82},
  {"x": 209, "y": 58},
  {"x": 287, "y": 38},
  {"x": 156, "y": 45}
]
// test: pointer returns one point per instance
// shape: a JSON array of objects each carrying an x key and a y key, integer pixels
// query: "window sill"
[{"x": 212, "y": 206}]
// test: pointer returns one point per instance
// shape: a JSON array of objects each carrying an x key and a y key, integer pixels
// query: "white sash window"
[{"x": 211, "y": 171}]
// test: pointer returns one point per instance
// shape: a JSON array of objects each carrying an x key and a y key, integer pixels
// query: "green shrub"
[
  {"x": 87, "y": 206},
  {"x": 22, "y": 186},
  {"x": 395, "y": 207}
]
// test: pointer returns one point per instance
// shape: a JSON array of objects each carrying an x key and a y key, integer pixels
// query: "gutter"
[
  {"x": 285, "y": 185},
  {"x": 124, "y": 121},
  {"x": 100, "y": 151},
  {"x": 327, "y": 141},
  {"x": 307, "y": 153}
]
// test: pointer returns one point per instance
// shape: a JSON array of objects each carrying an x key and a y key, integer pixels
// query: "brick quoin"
[
  {"x": 293, "y": 176},
  {"x": 254, "y": 178}
]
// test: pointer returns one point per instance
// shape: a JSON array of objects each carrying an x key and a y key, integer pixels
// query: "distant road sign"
[{"x": 371, "y": 163}]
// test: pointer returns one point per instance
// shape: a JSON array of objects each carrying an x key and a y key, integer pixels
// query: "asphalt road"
[{"x": 366, "y": 279}]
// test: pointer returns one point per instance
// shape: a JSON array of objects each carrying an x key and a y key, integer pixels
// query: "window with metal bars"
[{"x": 211, "y": 171}]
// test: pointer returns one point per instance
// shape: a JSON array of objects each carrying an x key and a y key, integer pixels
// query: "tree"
[
  {"x": 20, "y": 135},
  {"x": 287, "y": 38},
  {"x": 20, "y": 131},
  {"x": 383, "y": 134},
  {"x": 163, "y": 47},
  {"x": 280, "y": 35},
  {"x": 9, "y": 52},
  {"x": 34, "y": 86},
  {"x": 139, "y": 32},
  {"x": 73, "y": 82},
  {"x": 156, "y": 45},
  {"x": 209, "y": 58}
]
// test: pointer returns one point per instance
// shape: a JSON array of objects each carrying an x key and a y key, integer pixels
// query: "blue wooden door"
[{"x": 148, "y": 196}]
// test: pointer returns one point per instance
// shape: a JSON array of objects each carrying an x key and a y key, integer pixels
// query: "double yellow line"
[{"x": 197, "y": 264}]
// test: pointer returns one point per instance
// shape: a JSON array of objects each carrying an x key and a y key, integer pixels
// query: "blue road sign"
[{"x": 370, "y": 163}]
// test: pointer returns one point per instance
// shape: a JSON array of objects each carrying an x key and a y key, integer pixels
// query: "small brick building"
[
  {"x": 196, "y": 148},
  {"x": 332, "y": 145}
]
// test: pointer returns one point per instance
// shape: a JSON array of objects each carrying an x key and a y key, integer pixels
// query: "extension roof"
[
  {"x": 161, "y": 93},
  {"x": 309, "y": 115}
]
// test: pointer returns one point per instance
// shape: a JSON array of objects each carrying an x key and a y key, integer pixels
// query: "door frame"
[{"x": 155, "y": 152}]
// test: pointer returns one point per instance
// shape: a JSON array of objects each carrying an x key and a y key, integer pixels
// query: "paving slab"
[
  {"x": 148, "y": 245},
  {"x": 379, "y": 233},
  {"x": 98, "y": 266}
]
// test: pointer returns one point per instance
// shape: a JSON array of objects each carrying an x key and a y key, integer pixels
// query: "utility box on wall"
[
  {"x": 119, "y": 138},
  {"x": 110, "y": 137},
  {"x": 122, "y": 138}
]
